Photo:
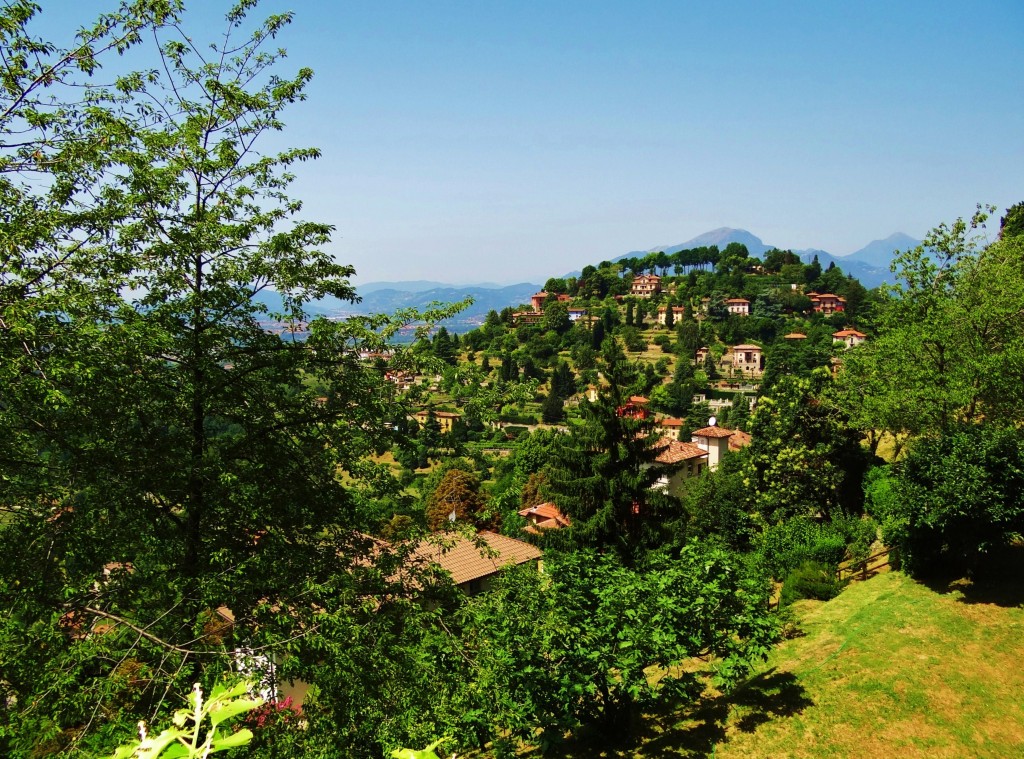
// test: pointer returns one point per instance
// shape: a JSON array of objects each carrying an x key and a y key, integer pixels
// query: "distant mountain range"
[{"x": 870, "y": 265}]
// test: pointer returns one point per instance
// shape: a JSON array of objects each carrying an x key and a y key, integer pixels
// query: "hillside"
[{"x": 889, "y": 668}]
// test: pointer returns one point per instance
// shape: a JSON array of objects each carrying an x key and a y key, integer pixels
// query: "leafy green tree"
[
  {"x": 165, "y": 454},
  {"x": 950, "y": 343},
  {"x": 954, "y": 500},
  {"x": 805, "y": 459},
  {"x": 533, "y": 679},
  {"x": 552, "y": 410}
]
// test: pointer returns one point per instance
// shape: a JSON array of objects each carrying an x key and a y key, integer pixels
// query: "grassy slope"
[{"x": 890, "y": 668}]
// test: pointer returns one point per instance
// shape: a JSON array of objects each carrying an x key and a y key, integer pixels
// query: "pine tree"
[{"x": 602, "y": 475}]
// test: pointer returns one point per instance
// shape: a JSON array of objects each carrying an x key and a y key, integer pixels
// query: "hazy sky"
[{"x": 507, "y": 142}]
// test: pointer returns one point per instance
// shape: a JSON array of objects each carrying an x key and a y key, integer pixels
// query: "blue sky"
[{"x": 507, "y": 142}]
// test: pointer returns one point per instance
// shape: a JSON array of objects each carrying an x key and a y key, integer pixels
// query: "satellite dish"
[{"x": 712, "y": 422}]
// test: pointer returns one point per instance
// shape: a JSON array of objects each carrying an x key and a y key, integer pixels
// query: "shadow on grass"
[
  {"x": 1000, "y": 580},
  {"x": 696, "y": 731}
]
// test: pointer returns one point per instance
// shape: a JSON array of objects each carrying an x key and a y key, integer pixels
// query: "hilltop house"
[
  {"x": 544, "y": 516},
  {"x": 444, "y": 418},
  {"x": 714, "y": 440},
  {"x": 690, "y": 459},
  {"x": 646, "y": 286}
]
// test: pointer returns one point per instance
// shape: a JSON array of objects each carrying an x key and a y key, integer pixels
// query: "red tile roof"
[
  {"x": 676, "y": 451},
  {"x": 739, "y": 440},
  {"x": 848, "y": 333},
  {"x": 795, "y": 336},
  {"x": 747, "y": 347},
  {"x": 713, "y": 432},
  {"x": 545, "y": 513},
  {"x": 671, "y": 422},
  {"x": 464, "y": 561}
]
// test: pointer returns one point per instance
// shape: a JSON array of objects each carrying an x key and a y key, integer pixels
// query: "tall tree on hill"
[
  {"x": 164, "y": 454},
  {"x": 602, "y": 475}
]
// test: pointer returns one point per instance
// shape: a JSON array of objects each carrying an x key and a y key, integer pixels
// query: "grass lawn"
[{"x": 889, "y": 668}]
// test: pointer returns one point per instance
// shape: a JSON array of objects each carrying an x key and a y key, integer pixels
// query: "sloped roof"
[
  {"x": 670, "y": 421},
  {"x": 848, "y": 333},
  {"x": 795, "y": 336},
  {"x": 546, "y": 512},
  {"x": 464, "y": 561},
  {"x": 747, "y": 347},
  {"x": 739, "y": 439},
  {"x": 713, "y": 432},
  {"x": 676, "y": 451}
]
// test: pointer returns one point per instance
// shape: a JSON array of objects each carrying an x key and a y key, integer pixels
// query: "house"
[
  {"x": 527, "y": 317},
  {"x": 688, "y": 459},
  {"x": 544, "y": 516},
  {"x": 738, "y": 306},
  {"x": 669, "y": 427},
  {"x": 635, "y": 407},
  {"x": 537, "y": 301},
  {"x": 748, "y": 359},
  {"x": 849, "y": 337},
  {"x": 795, "y": 336},
  {"x": 702, "y": 355},
  {"x": 575, "y": 314},
  {"x": 473, "y": 563},
  {"x": 444, "y": 418},
  {"x": 646, "y": 286},
  {"x": 714, "y": 440},
  {"x": 827, "y": 303},
  {"x": 678, "y": 312}
]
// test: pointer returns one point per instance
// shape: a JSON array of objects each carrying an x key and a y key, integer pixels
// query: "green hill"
[{"x": 889, "y": 668}]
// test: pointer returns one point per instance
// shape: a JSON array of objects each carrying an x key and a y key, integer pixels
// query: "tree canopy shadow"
[
  {"x": 695, "y": 732},
  {"x": 999, "y": 580}
]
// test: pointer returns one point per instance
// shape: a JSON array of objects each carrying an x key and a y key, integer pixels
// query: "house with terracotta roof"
[
  {"x": 849, "y": 337},
  {"x": 682, "y": 461},
  {"x": 544, "y": 516},
  {"x": 678, "y": 312},
  {"x": 537, "y": 301},
  {"x": 645, "y": 286},
  {"x": 738, "y": 306},
  {"x": 669, "y": 427},
  {"x": 473, "y": 563},
  {"x": 748, "y": 359},
  {"x": 827, "y": 303},
  {"x": 714, "y": 440}
]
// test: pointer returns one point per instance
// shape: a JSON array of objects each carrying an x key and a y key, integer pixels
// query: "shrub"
[{"x": 813, "y": 580}]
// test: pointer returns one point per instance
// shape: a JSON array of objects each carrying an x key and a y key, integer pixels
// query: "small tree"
[{"x": 457, "y": 493}]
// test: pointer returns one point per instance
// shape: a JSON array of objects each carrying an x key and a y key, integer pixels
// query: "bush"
[
  {"x": 785, "y": 546},
  {"x": 813, "y": 580}
]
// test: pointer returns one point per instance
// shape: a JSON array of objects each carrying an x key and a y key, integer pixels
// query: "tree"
[
  {"x": 950, "y": 343},
  {"x": 552, "y": 410},
  {"x": 534, "y": 680},
  {"x": 670, "y": 316},
  {"x": 167, "y": 455},
  {"x": 955, "y": 500},
  {"x": 457, "y": 493},
  {"x": 602, "y": 475},
  {"x": 805, "y": 459}
]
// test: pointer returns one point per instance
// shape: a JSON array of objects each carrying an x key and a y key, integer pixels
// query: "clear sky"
[{"x": 513, "y": 141}]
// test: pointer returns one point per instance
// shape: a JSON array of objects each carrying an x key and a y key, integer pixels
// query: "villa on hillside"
[
  {"x": 738, "y": 306},
  {"x": 678, "y": 312},
  {"x": 688, "y": 459},
  {"x": 748, "y": 359},
  {"x": 544, "y": 516},
  {"x": 849, "y": 337},
  {"x": 827, "y": 303},
  {"x": 714, "y": 440},
  {"x": 444, "y": 418},
  {"x": 646, "y": 286}
]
